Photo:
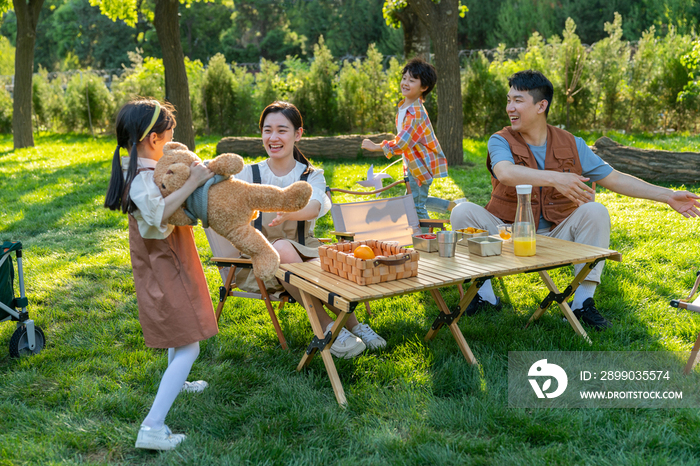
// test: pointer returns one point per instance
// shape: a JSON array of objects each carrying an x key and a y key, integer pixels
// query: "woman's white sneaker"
[
  {"x": 347, "y": 345},
  {"x": 369, "y": 337},
  {"x": 158, "y": 439}
]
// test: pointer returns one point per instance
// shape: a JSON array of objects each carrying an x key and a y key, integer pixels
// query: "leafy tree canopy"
[
  {"x": 74, "y": 33},
  {"x": 392, "y": 6}
]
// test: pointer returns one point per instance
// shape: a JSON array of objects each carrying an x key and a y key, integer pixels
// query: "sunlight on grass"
[{"x": 80, "y": 400}]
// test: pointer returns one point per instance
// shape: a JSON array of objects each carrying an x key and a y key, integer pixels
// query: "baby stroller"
[
  {"x": 28, "y": 339},
  {"x": 695, "y": 307}
]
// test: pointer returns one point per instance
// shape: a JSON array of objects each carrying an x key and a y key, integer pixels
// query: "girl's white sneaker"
[
  {"x": 158, "y": 439},
  {"x": 194, "y": 387}
]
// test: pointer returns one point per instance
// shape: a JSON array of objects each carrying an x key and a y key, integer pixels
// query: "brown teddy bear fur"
[{"x": 233, "y": 204}]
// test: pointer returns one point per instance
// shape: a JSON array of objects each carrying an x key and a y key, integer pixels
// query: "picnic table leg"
[
  {"x": 694, "y": 356},
  {"x": 454, "y": 328},
  {"x": 564, "y": 306},
  {"x": 311, "y": 305},
  {"x": 570, "y": 290},
  {"x": 463, "y": 303}
]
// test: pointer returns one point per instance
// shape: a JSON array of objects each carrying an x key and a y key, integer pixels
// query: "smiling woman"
[
  {"x": 291, "y": 233},
  {"x": 279, "y": 136}
]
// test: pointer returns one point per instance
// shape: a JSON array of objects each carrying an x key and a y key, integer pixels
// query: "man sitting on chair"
[{"x": 557, "y": 165}]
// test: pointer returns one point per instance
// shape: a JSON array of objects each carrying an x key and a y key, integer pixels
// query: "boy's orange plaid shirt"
[{"x": 417, "y": 142}]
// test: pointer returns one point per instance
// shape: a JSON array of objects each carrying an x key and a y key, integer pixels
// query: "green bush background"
[{"x": 647, "y": 85}]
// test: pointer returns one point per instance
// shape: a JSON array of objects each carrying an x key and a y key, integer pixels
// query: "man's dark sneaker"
[
  {"x": 589, "y": 315},
  {"x": 477, "y": 305}
]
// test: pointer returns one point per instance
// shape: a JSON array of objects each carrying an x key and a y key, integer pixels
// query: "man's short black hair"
[
  {"x": 536, "y": 84},
  {"x": 423, "y": 70}
]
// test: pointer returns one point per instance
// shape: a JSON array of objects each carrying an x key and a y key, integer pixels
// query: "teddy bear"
[{"x": 231, "y": 204}]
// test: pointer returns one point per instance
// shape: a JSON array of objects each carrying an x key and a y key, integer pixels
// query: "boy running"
[{"x": 415, "y": 139}]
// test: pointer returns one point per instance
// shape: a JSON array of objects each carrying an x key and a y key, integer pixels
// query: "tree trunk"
[
  {"x": 416, "y": 39},
  {"x": 655, "y": 166},
  {"x": 441, "y": 19},
  {"x": 177, "y": 91},
  {"x": 329, "y": 147},
  {"x": 27, "y": 19}
]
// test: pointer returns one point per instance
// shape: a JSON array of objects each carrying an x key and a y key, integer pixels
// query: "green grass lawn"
[{"x": 81, "y": 400}]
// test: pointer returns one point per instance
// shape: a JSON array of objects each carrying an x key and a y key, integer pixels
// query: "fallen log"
[
  {"x": 331, "y": 147},
  {"x": 650, "y": 164}
]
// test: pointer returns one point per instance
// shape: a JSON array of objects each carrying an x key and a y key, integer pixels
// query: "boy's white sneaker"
[
  {"x": 347, "y": 345},
  {"x": 158, "y": 439},
  {"x": 194, "y": 387},
  {"x": 369, "y": 337}
]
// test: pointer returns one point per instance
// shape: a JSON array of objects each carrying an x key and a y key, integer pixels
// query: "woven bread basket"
[{"x": 397, "y": 262}]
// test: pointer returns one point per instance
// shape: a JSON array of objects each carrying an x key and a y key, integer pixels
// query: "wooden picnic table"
[{"x": 435, "y": 272}]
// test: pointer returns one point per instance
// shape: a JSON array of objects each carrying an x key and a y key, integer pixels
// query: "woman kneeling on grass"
[
  {"x": 175, "y": 308},
  {"x": 291, "y": 233}
]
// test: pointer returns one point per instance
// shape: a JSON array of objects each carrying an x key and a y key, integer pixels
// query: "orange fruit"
[
  {"x": 363, "y": 252},
  {"x": 504, "y": 234}
]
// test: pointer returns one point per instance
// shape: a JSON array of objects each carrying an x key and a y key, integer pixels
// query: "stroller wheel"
[{"x": 19, "y": 343}]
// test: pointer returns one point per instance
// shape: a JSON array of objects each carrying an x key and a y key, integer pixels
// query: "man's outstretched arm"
[
  {"x": 683, "y": 202},
  {"x": 569, "y": 184}
]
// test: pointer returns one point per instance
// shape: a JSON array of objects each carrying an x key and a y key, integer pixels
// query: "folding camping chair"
[
  {"x": 695, "y": 307},
  {"x": 28, "y": 339},
  {"x": 383, "y": 219},
  {"x": 227, "y": 258}
]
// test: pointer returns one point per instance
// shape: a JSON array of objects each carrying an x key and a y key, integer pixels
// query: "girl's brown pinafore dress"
[{"x": 175, "y": 307}]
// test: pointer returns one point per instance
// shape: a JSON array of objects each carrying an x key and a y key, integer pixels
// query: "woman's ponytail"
[{"x": 301, "y": 158}]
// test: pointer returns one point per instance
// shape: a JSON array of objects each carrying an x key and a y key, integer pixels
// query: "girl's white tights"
[{"x": 180, "y": 362}]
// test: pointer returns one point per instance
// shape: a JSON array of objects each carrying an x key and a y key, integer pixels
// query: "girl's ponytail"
[
  {"x": 126, "y": 204},
  {"x": 116, "y": 183},
  {"x": 118, "y": 191}
]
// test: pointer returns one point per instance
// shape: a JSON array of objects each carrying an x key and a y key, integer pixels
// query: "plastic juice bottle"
[{"x": 524, "y": 225}]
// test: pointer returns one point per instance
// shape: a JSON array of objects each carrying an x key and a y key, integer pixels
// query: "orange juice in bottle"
[
  {"x": 524, "y": 246},
  {"x": 524, "y": 225}
]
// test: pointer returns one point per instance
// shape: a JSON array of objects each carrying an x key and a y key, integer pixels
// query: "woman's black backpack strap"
[
  {"x": 301, "y": 224},
  {"x": 257, "y": 223}
]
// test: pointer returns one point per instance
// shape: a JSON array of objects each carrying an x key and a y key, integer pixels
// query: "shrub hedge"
[{"x": 649, "y": 85}]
